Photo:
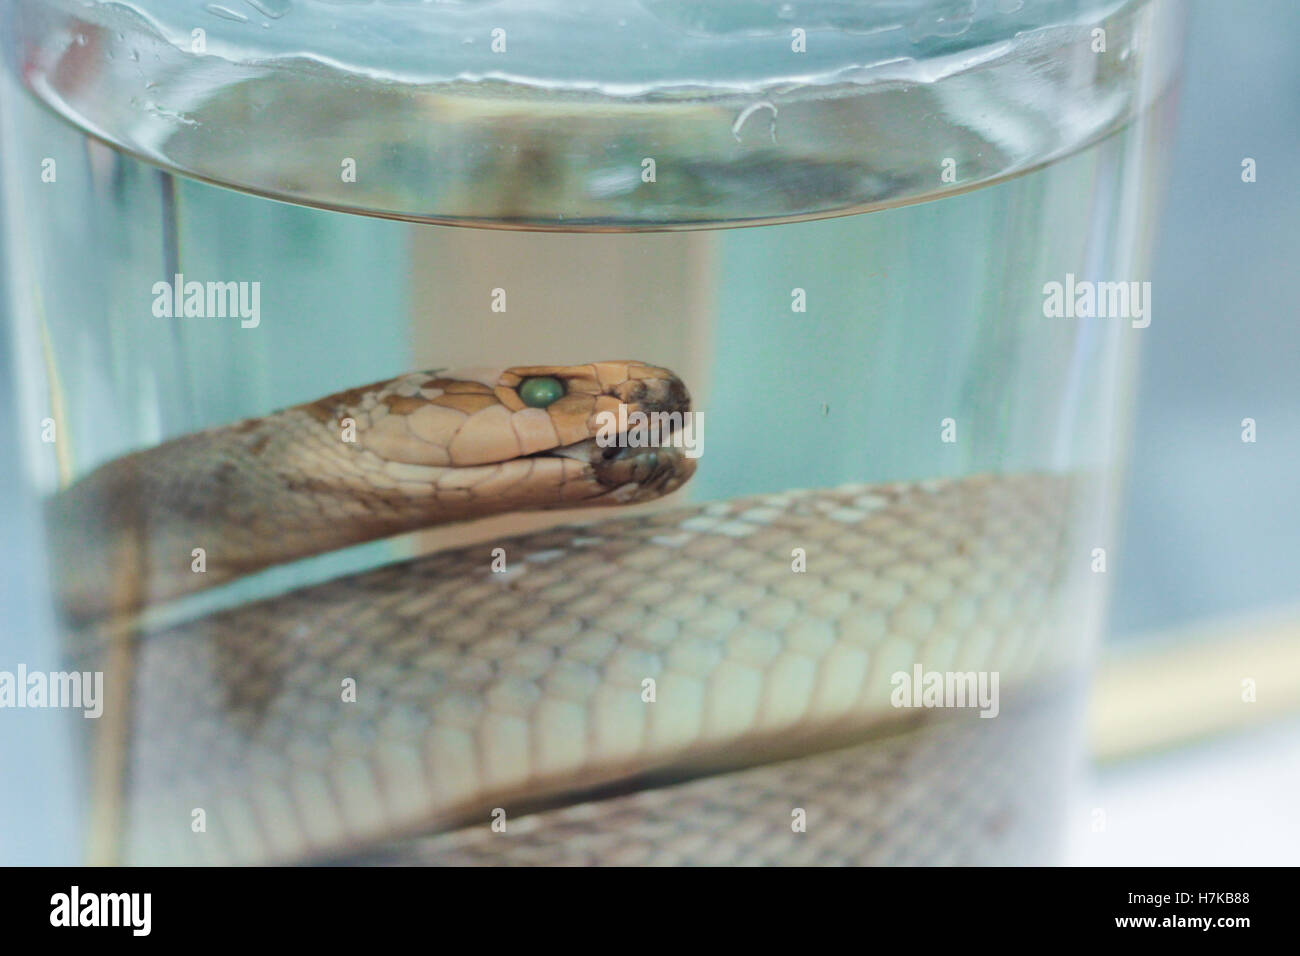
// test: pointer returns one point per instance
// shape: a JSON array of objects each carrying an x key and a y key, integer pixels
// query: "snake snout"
[
  {"x": 649, "y": 458},
  {"x": 637, "y": 473},
  {"x": 664, "y": 392}
]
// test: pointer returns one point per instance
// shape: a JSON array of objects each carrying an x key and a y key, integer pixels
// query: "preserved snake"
[{"x": 710, "y": 684}]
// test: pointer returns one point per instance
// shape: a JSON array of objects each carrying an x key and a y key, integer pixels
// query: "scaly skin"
[
  {"x": 524, "y": 690},
  {"x": 429, "y": 448}
]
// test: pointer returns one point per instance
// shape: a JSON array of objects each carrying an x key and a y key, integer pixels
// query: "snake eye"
[{"x": 541, "y": 391}]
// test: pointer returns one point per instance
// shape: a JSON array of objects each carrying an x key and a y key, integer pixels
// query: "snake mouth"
[
  {"x": 626, "y": 472},
  {"x": 578, "y": 451}
]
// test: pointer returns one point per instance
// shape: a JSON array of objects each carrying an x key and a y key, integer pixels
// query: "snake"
[{"x": 707, "y": 683}]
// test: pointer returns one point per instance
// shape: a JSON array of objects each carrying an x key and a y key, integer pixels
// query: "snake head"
[
  {"x": 531, "y": 436},
  {"x": 627, "y": 421}
]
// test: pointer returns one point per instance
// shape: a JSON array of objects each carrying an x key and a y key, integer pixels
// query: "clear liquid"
[
  {"x": 556, "y": 131},
  {"x": 912, "y": 318}
]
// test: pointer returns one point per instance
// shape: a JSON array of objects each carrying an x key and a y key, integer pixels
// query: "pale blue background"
[{"x": 1213, "y": 525}]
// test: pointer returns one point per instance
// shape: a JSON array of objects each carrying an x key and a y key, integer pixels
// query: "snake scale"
[{"x": 669, "y": 687}]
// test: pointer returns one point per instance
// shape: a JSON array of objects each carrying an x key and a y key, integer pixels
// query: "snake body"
[{"x": 663, "y": 688}]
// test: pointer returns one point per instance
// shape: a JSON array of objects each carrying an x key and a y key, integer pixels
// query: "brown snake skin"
[{"x": 519, "y": 695}]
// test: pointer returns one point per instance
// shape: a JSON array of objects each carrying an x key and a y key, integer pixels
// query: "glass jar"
[{"x": 871, "y": 641}]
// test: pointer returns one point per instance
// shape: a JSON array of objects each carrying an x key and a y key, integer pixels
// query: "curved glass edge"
[{"x": 497, "y": 153}]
